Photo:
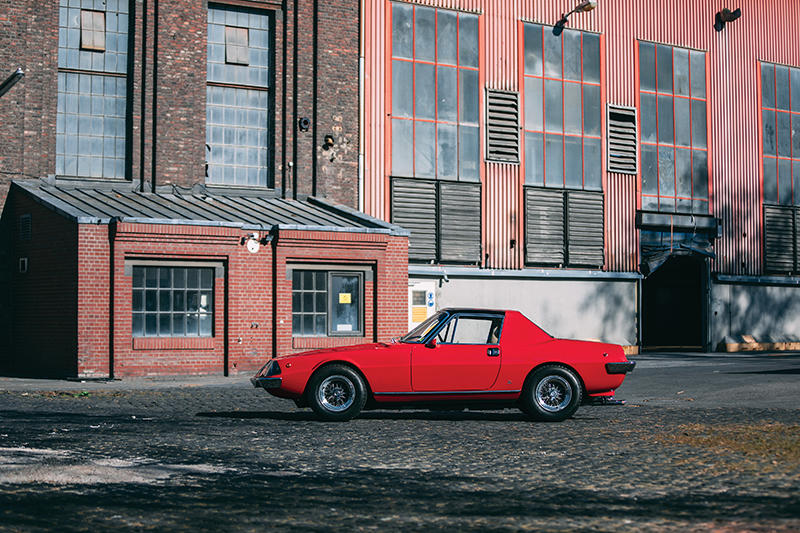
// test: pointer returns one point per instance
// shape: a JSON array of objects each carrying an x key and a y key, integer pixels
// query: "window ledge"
[
  {"x": 173, "y": 343},
  {"x": 325, "y": 342}
]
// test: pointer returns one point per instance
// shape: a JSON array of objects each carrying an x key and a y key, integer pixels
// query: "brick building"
[{"x": 179, "y": 183}]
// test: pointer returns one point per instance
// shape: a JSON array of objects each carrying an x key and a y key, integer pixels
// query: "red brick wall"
[
  {"x": 387, "y": 256},
  {"x": 243, "y": 304},
  {"x": 29, "y": 38},
  {"x": 43, "y": 329}
]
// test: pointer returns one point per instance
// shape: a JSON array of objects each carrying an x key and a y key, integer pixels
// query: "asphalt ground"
[{"x": 705, "y": 443}]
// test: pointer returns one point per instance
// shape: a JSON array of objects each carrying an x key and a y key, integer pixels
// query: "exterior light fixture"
[
  {"x": 329, "y": 142},
  {"x": 583, "y": 7},
  {"x": 726, "y": 15},
  {"x": 10, "y": 81}
]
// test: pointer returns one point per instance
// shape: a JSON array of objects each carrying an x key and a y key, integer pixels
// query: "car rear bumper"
[
  {"x": 620, "y": 368},
  {"x": 266, "y": 383}
]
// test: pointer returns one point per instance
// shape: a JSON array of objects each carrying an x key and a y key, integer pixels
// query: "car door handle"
[{"x": 493, "y": 352}]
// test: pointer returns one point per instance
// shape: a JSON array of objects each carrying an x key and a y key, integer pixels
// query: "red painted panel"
[{"x": 733, "y": 112}]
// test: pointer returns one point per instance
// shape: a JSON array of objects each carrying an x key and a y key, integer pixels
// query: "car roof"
[{"x": 473, "y": 310}]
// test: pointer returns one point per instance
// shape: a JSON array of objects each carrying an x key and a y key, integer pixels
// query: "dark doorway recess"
[{"x": 673, "y": 305}]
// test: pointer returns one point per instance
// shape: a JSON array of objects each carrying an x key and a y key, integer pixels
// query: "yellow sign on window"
[
  {"x": 418, "y": 313},
  {"x": 345, "y": 298}
]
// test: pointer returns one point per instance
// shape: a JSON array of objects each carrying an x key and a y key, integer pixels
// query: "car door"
[{"x": 462, "y": 355}]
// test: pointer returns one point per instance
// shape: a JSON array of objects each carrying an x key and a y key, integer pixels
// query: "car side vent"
[
  {"x": 622, "y": 139},
  {"x": 502, "y": 126}
]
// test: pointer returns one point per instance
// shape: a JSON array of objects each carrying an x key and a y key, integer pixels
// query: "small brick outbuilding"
[{"x": 107, "y": 281}]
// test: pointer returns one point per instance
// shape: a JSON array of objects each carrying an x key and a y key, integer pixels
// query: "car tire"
[
  {"x": 551, "y": 394},
  {"x": 336, "y": 393}
]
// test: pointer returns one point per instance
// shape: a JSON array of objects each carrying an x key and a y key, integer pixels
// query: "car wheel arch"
[
  {"x": 556, "y": 363},
  {"x": 342, "y": 363}
]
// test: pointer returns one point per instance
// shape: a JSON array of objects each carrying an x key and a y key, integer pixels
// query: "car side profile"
[{"x": 457, "y": 358}]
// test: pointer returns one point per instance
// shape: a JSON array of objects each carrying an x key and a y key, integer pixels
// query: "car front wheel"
[
  {"x": 336, "y": 393},
  {"x": 551, "y": 394}
]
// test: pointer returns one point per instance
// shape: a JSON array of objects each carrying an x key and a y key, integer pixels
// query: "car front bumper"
[
  {"x": 620, "y": 368},
  {"x": 266, "y": 383}
]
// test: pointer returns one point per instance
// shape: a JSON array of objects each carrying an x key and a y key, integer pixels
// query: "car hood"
[{"x": 355, "y": 348}]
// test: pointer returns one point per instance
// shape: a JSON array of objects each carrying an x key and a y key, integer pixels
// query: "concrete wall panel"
[{"x": 584, "y": 309}]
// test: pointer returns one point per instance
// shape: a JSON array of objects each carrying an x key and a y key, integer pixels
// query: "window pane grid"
[
  {"x": 435, "y": 101},
  {"x": 238, "y": 99},
  {"x": 780, "y": 151},
  {"x": 673, "y": 135},
  {"x": 172, "y": 301},
  {"x": 309, "y": 303},
  {"x": 92, "y": 95},
  {"x": 563, "y": 141}
]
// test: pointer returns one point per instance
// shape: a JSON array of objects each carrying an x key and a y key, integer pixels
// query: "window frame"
[
  {"x": 93, "y": 38},
  {"x": 543, "y": 77},
  {"x": 218, "y": 272},
  {"x": 792, "y": 158},
  {"x": 268, "y": 88},
  {"x": 233, "y": 49},
  {"x": 458, "y": 122},
  {"x": 658, "y": 144},
  {"x": 330, "y": 273},
  {"x": 101, "y": 149},
  {"x": 454, "y": 316}
]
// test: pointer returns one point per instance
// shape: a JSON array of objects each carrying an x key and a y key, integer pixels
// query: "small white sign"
[{"x": 344, "y": 327}]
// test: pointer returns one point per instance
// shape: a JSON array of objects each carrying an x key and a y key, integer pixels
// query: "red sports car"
[{"x": 457, "y": 358}]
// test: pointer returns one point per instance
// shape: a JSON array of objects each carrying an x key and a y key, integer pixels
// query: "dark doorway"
[{"x": 673, "y": 307}]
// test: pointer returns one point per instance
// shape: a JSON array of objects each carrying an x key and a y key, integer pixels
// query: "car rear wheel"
[
  {"x": 551, "y": 394},
  {"x": 336, "y": 393}
]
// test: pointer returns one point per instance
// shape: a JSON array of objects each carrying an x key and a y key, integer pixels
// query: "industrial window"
[
  {"x": 435, "y": 148},
  {"x": 563, "y": 144},
  {"x": 173, "y": 301},
  {"x": 326, "y": 303},
  {"x": 237, "y": 49},
  {"x": 780, "y": 155},
  {"x": 435, "y": 96},
  {"x": 93, "y": 30},
  {"x": 674, "y": 138},
  {"x": 780, "y": 119},
  {"x": 238, "y": 96},
  {"x": 91, "y": 127}
]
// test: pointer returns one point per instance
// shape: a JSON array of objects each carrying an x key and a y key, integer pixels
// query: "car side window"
[{"x": 472, "y": 330}]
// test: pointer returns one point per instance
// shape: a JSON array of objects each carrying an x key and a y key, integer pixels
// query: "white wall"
[
  {"x": 768, "y": 313},
  {"x": 580, "y": 309}
]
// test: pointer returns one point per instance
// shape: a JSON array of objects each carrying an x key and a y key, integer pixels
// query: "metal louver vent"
[
  {"x": 622, "y": 139},
  {"x": 779, "y": 237},
  {"x": 24, "y": 228},
  {"x": 502, "y": 126}
]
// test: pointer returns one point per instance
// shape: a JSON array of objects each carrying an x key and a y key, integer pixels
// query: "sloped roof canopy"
[{"x": 93, "y": 203}]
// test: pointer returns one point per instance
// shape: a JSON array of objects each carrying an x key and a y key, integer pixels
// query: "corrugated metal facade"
[{"x": 767, "y": 31}]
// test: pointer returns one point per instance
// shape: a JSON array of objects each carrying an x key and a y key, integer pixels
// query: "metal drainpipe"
[
  {"x": 361, "y": 109},
  {"x": 283, "y": 98},
  {"x": 294, "y": 99},
  {"x": 155, "y": 97},
  {"x": 112, "y": 235},
  {"x": 314, "y": 75},
  {"x": 142, "y": 114}
]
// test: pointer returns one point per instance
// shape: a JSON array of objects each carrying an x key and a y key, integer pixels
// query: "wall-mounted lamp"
[
  {"x": 303, "y": 123},
  {"x": 583, "y": 7},
  {"x": 726, "y": 15},
  {"x": 329, "y": 142},
  {"x": 10, "y": 81}
]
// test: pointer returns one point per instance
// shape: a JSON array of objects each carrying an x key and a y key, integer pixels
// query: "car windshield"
[{"x": 419, "y": 332}]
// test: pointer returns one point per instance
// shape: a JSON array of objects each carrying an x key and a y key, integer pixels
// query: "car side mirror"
[{"x": 431, "y": 343}]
